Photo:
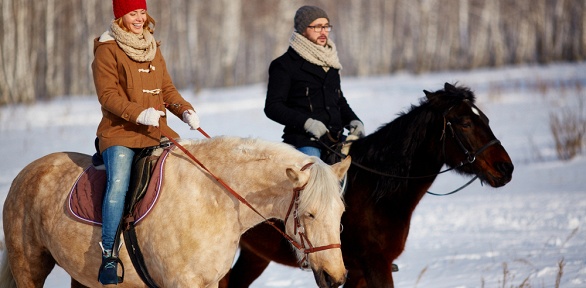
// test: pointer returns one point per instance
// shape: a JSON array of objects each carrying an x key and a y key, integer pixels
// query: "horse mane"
[
  {"x": 391, "y": 148},
  {"x": 247, "y": 149}
]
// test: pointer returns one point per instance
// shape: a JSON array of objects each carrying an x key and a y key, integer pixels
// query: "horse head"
[
  {"x": 469, "y": 144},
  {"x": 314, "y": 221}
]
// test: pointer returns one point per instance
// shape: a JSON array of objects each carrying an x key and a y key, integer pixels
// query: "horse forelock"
[{"x": 322, "y": 190}]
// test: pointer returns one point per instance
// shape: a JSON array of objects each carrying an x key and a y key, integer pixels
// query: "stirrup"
[{"x": 110, "y": 261}]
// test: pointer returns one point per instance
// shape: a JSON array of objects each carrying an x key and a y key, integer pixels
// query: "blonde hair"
[{"x": 147, "y": 24}]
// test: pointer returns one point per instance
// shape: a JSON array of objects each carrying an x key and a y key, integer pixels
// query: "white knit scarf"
[
  {"x": 140, "y": 48},
  {"x": 324, "y": 56}
]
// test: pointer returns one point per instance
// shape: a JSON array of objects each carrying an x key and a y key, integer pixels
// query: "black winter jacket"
[{"x": 299, "y": 90}]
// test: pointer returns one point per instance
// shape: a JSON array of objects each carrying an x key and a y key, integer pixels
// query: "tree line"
[{"x": 46, "y": 47}]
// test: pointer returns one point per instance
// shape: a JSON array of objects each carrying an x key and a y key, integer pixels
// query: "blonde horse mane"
[{"x": 247, "y": 149}]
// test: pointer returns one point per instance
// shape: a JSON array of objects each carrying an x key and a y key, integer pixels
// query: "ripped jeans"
[{"x": 118, "y": 162}]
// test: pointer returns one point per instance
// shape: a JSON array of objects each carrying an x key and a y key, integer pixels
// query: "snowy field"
[{"x": 529, "y": 233}]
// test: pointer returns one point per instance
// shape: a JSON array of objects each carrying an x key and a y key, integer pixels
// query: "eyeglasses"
[{"x": 319, "y": 28}]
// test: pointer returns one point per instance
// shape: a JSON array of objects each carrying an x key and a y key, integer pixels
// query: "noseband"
[{"x": 305, "y": 246}]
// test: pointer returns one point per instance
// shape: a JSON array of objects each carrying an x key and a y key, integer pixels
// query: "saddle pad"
[{"x": 85, "y": 198}]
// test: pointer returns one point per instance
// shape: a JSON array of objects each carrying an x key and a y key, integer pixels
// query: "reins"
[
  {"x": 470, "y": 158},
  {"x": 294, "y": 203}
]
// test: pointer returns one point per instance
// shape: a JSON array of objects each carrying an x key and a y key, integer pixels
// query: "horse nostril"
[
  {"x": 329, "y": 280},
  {"x": 505, "y": 167}
]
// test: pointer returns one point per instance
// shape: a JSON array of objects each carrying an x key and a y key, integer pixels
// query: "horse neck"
[
  {"x": 270, "y": 197},
  {"x": 270, "y": 207},
  {"x": 408, "y": 147}
]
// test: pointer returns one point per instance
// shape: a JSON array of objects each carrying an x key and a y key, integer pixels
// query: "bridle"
[
  {"x": 470, "y": 157},
  {"x": 305, "y": 246}
]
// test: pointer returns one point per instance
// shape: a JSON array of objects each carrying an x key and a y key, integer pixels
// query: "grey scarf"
[
  {"x": 324, "y": 56},
  {"x": 140, "y": 48}
]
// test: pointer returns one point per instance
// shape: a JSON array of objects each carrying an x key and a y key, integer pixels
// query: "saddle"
[
  {"x": 335, "y": 151},
  {"x": 85, "y": 200},
  {"x": 86, "y": 196}
]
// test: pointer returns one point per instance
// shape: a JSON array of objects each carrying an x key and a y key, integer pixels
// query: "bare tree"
[{"x": 231, "y": 42}]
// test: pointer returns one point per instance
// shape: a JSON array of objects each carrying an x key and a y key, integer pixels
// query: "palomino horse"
[
  {"x": 393, "y": 169},
  {"x": 191, "y": 236}
]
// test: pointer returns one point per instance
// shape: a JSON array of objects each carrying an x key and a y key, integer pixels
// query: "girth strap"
[{"x": 136, "y": 257}]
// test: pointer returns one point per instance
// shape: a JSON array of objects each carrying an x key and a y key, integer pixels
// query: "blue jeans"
[
  {"x": 310, "y": 150},
  {"x": 118, "y": 162}
]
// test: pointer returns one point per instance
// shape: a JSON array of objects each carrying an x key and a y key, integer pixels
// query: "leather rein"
[
  {"x": 470, "y": 158},
  {"x": 305, "y": 246}
]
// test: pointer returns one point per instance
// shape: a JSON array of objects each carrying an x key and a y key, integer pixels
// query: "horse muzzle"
[{"x": 325, "y": 280}]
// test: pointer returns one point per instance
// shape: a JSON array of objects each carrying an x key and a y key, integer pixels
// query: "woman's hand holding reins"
[
  {"x": 150, "y": 117},
  {"x": 191, "y": 118}
]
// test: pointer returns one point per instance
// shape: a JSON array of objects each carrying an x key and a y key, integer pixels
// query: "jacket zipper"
[{"x": 308, "y": 99}]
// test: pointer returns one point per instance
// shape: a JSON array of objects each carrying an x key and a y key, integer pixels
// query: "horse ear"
[
  {"x": 292, "y": 175},
  {"x": 449, "y": 87},
  {"x": 341, "y": 167},
  {"x": 427, "y": 94}
]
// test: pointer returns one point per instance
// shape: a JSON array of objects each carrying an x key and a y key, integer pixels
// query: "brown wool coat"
[{"x": 120, "y": 82}]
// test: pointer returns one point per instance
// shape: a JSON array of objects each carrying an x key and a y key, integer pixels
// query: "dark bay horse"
[{"x": 402, "y": 159}]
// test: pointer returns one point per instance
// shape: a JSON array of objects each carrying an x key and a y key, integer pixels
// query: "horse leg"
[
  {"x": 355, "y": 279},
  {"x": 30, "y": 268},
  {"x": 378, "y": 272},
  {"x": 248, "y": 267}
]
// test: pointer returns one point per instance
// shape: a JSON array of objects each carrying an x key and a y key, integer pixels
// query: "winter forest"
[{"x": 46, "y": 47}]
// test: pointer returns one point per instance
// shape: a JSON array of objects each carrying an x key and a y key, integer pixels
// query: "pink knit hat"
[{"x": 121, "y": 7}]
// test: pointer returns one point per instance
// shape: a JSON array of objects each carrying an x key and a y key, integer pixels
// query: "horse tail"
[{"x": 6, "y": 277}]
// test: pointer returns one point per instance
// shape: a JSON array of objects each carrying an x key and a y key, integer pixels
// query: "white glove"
[
  {"x": 150, "y": 117},
  {"x": 357, "y": 128},
  {"x": 315, "y": 127},
  {"x": 191, "y": 118}
]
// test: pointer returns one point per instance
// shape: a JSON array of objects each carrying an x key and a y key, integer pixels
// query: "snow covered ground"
[{"x": 480, "y": 237}]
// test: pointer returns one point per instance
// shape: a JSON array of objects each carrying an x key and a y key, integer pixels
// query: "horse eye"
[
  {"x": 465, "y": 123},
  {"x": 310, "y": 215}
]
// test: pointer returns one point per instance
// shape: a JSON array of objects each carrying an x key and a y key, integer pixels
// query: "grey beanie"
[{"x": 307, "y": 14}]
